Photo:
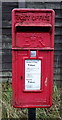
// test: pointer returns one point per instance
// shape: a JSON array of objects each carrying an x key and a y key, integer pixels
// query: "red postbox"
[{"x": 32, "y": 57}]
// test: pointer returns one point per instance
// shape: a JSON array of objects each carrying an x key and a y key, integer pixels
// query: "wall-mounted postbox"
[{"x": 32, "y": 57}]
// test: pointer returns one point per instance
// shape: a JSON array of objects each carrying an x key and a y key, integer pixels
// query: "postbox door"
[{"x": 33, "y": 89}]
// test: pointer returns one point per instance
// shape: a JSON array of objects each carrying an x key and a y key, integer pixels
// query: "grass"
[
  {"x": 41, "y": 113},
  {"x": 55, "y": 111}
]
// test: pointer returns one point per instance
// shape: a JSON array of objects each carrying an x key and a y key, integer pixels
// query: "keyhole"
[{"x": 21, "y": 77}]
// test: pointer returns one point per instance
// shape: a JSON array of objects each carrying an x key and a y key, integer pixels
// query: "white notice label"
[{"x": 32, "y": 74}]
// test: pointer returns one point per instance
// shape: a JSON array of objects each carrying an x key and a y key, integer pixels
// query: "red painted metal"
[{"x": 32, "y": 33}]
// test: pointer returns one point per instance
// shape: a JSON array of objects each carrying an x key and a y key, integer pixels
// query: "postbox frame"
[{"x": 15, "y": 55}]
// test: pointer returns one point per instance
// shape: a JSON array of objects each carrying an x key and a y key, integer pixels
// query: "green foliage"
[
  {"x": 41, "y": 113},
  {"x": 54, "y": 111}
]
